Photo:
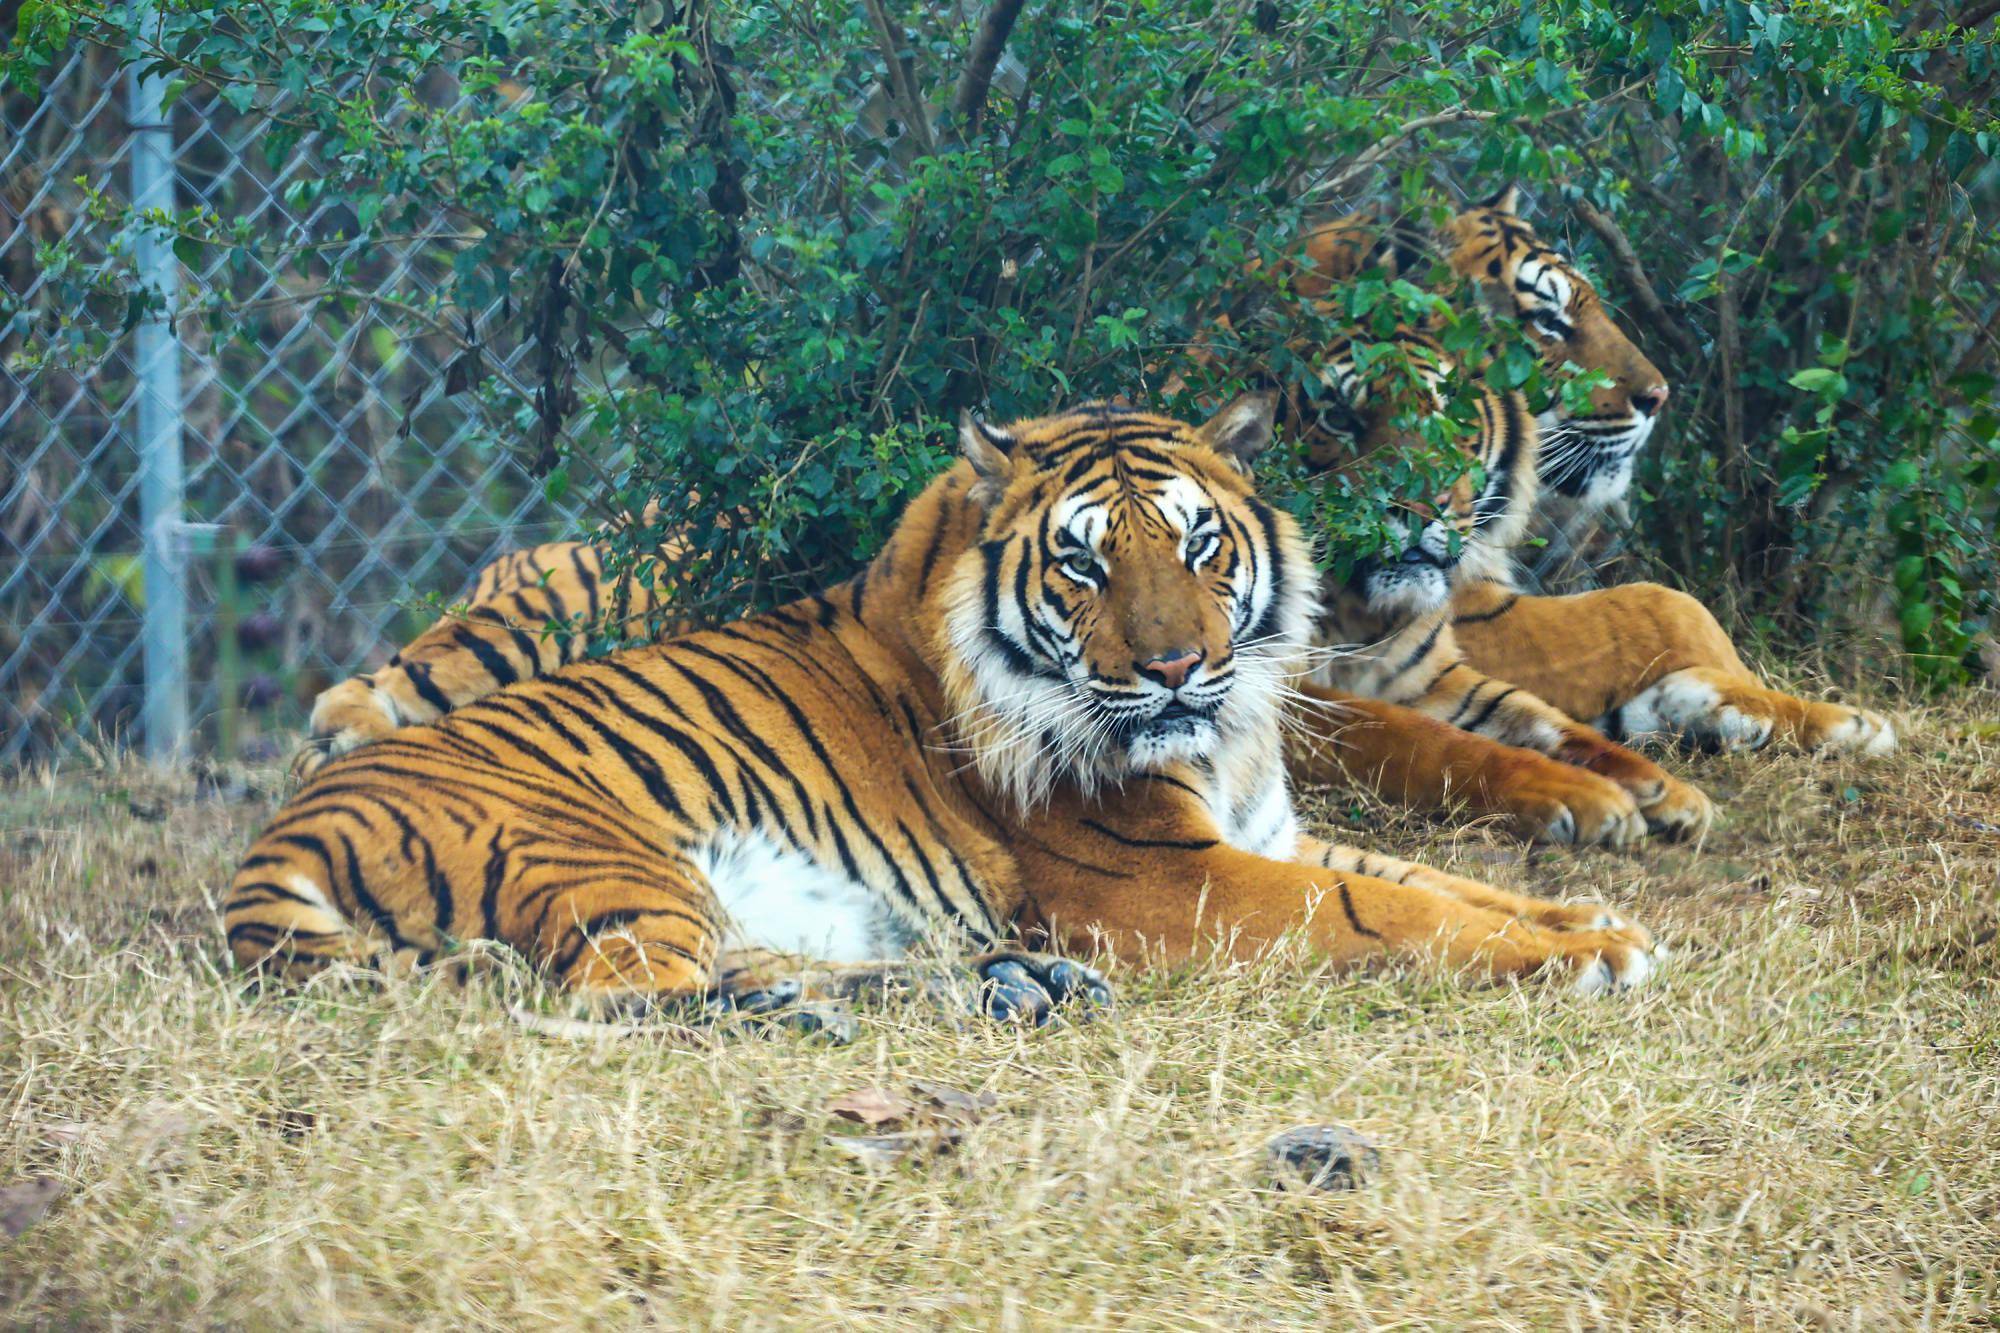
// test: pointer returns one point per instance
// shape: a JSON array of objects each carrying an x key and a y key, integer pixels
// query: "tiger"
[
  {"x": 1047, "y": 716},
  {"x": 1403, "y": 710},
  {"x": 1642, "y": 662}
]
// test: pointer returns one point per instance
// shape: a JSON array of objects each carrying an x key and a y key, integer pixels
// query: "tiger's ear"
[
  {"x": 990, "y": 450},
  {"x": 1242, "y": 430},
  {"x": 1508, "y": 201}
]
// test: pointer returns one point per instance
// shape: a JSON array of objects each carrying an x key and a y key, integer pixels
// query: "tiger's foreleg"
[
  {"x": 1540, "y": 911},
  {"x": 1188, "y": 905},
  {"x": 1404, "y": 756},
  {"x": 1720, "y": 710},
  {"x": 1649, "y": 662}
]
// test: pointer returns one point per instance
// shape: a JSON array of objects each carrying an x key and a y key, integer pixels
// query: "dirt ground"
[{"x": 1798, "y": 1124}]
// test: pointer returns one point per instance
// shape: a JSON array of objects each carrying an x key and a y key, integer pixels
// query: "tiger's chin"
[
  {"x": 1400, "y": 592},
  {"x": 1178, "y": 736}
]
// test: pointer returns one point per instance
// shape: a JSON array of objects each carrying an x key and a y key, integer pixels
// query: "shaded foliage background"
[{"x": 761, "y": 254}]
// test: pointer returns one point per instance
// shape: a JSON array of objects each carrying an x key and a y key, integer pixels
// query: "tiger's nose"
[
  {"x": 1171, "y": 669},
  {"x": 1650, "y": 401}
]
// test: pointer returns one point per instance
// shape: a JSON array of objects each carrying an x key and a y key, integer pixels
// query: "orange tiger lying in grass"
[
  {"x": 1644, "y": 661},
  {"x": 1400, "y": 707},
  {"x": 1047, "y": 714}
]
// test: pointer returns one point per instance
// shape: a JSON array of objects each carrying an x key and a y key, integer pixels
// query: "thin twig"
[{"x": 901, "y": 86}]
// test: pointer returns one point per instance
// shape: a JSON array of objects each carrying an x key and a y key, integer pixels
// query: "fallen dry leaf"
[
  {"x": 881, "y": 1150},
  {"x": 950, "y": 1103},
  {"x": 67, "y": 1131},
  {"x": 873, "y": 1106},
  {"x": 23, "y": 1203}
]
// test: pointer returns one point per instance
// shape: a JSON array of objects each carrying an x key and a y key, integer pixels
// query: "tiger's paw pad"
[{"x": 1032, "y": 988}]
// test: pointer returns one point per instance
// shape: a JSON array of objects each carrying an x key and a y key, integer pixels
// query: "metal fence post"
[{"x": 158, "y": 370}]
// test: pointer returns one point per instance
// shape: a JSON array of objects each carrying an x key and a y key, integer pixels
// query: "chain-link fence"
[{"x": 327, "y": 483}]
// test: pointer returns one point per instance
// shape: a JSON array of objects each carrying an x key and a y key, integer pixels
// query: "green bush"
[{"x": 761, "y": 255}]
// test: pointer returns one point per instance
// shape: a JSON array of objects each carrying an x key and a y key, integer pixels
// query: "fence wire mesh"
[
  {"x": 334, "y": 491},
  {"x": 331, "y": 485}
]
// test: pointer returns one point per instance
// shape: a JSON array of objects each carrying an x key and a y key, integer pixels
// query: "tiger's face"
[
  {"x": 1588, "y": 455},
  {"x": 1130, "y": 602},
  {"x": 1364, "y": 412}
]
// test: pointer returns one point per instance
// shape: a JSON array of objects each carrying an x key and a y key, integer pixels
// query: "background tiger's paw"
[
  {"x": 1681, "y": 810},
  {"x": 1033, "y": 987},
  {"x": 348, "y": 716},
  {"x": 1838, "y": 729}
]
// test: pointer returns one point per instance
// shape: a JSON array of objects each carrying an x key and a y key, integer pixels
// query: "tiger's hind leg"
[
  {"x": 1727, "y": 711},
  {"x": 364, "y": 867}
]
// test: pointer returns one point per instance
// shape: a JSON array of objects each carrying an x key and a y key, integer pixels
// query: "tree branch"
[
  {"x": 968, "y": 100},
  {"x": 1657, "y": 316},
  {"x": 1376, "y": 152}
]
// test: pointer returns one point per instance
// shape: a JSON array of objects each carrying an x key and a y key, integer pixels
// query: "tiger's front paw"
[
  {"x": 1016, "y": 986},
  {"x": 1680, "y": 810},
  {"x": 1838, "y": 729},
  {"x": 1666, "y": 804},
  {"x": 345, "y": 717},
  {"x": 1616, "y": 959},
  {"x": 1560, "y": 803}
]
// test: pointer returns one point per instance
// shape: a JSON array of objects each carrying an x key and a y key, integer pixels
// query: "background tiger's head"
[
  {"x": 1359, "y": 414},
  {"x": 1130, "y": 602},
  {"x": 1586, "y": 456}
]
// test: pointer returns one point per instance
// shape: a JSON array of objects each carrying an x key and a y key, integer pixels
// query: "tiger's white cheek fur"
[{"x": 1594, "y": 471}]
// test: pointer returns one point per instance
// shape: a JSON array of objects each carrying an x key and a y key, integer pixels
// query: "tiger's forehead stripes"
[
  {"x": 1107, "y": 449},
  {"x": 1539, "y": 269},
  {"x": 1168, "y": 508},
  {"x": 1545, "y": 283}
]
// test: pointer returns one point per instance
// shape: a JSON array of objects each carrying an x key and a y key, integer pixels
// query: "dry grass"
[{"x": 1800, "y": 1124}]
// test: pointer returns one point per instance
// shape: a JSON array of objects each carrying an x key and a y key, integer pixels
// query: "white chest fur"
[
  {"x": 773, "y": 897},
  {"x": 1251, "y": 802}
]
